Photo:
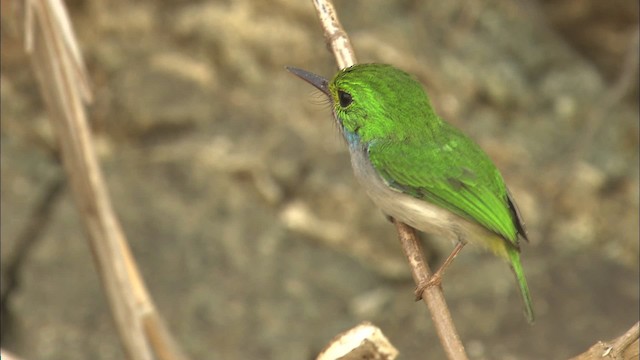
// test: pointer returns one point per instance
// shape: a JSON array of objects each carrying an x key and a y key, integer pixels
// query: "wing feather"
[{"x": 456, "y": 175}]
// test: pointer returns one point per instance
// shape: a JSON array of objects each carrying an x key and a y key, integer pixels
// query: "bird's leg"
[{"x": 436, "y": 278}]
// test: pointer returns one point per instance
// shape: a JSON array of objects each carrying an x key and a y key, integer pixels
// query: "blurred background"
[{"x": 236, "y": 193}]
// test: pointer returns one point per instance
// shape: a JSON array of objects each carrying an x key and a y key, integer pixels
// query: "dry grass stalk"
[{"x": 58, "y": 64}]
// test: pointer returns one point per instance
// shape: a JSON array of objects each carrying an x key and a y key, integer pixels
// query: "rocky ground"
[{"x": 237, "y": 196}]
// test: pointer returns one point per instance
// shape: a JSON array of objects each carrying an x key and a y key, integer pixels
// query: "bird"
[{"x": 421, "y": 170}]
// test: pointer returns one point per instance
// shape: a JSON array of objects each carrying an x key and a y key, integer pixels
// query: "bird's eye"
[{"x": 345, "y": 98}]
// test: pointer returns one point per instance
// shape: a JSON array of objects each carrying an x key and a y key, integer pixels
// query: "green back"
[
  {"x": 452, "y": 172},
  {"x": 416, "y": 152}
]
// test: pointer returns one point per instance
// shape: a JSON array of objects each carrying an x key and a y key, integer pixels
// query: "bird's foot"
[{"x": 434, "y": 280}]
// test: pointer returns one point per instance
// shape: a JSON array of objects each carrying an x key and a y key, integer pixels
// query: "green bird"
[{"x": 418, "y": 168}]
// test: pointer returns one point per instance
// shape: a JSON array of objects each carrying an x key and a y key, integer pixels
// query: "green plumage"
[
  {"x": 449, "y": 171},
  {"x": 419, "y": 168}
]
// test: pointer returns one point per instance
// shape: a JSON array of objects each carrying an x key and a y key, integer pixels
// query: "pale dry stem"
[{"x": 63, "y": 81}]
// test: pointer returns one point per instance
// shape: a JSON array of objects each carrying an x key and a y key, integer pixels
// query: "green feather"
[
  {"x": 514, "y": 258},
  {"x": 450, "y": 171},
  {"x": 392, "y": 130}
]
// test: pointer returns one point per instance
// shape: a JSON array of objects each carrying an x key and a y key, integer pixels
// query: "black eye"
[{"x": 345, "y": 98}]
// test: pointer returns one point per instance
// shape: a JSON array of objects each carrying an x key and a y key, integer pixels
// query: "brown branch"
[
  {"x": 338, "y": 42},
  {"x": 431, "y": 295},
  {"x": 625, "y": 347},
  {"x": 337, "y": 39},
  {"x": 64, "y": 84}
]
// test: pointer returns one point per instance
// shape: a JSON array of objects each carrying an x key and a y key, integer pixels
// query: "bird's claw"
[{"x": 434, "y": 280}]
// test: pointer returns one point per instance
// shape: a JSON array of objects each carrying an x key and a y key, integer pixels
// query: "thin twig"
[
  {"x": 334, "y": 34},
  {"x": 338, "y": 42},
  {"x": 431, "y": 295},
  {"x": 64, "y": 84}
]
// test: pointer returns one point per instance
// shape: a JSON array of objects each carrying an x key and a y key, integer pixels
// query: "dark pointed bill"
[{"x": 316, "y": 80}]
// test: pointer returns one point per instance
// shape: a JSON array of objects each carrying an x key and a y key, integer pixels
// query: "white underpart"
[{"x": 417, "y": 213}]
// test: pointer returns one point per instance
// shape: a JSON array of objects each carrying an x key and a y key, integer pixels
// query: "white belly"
[{"x": 419, "y": 214}]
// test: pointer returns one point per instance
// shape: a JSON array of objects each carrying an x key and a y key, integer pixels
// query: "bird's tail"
[{"x": 516, "y": 265}]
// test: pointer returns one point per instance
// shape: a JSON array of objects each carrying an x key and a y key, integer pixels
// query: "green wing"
[{"x": 454, "y": 174}]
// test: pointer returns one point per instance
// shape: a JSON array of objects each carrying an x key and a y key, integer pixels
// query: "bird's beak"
[{"x": 316, "y": 80}]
